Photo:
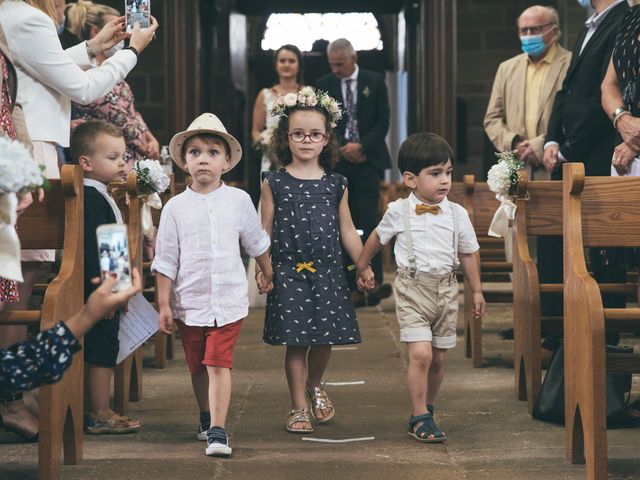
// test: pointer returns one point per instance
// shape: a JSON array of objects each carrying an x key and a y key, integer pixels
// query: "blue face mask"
[
  {"x": 60, "y": 26},
  {"x": 532, "y": 45},
  {"x": 584, "y": 3}
]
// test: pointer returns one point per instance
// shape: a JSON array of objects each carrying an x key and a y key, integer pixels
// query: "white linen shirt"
[
  {"x": 432, "y": 235},
  {"x": 50, "y": 77},
  {"x": 198, "y": 247}
]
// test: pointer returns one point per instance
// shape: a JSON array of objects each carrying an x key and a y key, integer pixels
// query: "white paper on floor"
[
  {"x": 340, "y": 384},
  {"x": 344, "y": 440}
]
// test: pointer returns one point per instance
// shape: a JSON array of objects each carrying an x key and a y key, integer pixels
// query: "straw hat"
[{"x": 205, "y": 123}]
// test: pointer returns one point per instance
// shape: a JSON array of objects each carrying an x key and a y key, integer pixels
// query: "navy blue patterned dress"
[{"x": 308, "y": 308}]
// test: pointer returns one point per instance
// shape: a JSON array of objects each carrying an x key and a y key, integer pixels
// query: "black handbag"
[{"x": 549, "y": 406}]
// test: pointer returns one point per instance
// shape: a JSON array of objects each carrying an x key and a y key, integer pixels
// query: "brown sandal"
[
  {"x": 298, "y": 416},
  {"x": 319, "y": 400}
]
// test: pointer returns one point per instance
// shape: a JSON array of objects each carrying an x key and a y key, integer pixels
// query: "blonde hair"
[
  {"x": 83, "y": 15},
  {"x": 45, "y": 6}
]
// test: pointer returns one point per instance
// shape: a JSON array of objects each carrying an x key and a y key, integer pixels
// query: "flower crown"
[{"x": 307, "y": 97}]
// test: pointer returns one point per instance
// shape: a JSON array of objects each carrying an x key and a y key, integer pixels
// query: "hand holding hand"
[
  {"x": 112, "y": 33},
  {"x": 365, "y": 279},
  {"x": 264, "y": 281}
]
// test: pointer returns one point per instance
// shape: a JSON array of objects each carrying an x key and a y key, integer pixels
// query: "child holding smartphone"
[{"x": 98, "y": 147}]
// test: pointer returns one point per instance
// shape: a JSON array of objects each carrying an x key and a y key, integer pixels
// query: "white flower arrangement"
[
  {"x": 309, "y": 98},
  {"x": 151, "y": 177},
  {"x": 18, "y": 172},
  {"x": 503, "y": 176},
  {"x": 503, "y": 180}
]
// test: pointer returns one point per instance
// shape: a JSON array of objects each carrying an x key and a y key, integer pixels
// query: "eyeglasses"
[
  {"x": 534, "y": 30},
  {"x": 314, "y": 137}
]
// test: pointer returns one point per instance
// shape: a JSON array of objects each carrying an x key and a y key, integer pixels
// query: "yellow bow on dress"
[{"x": 305, "y": 266}]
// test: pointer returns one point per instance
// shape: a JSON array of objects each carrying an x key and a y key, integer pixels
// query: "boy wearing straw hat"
[{"x": 201, "y": 277}]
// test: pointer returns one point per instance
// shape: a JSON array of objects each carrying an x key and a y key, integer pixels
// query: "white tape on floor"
[
  {"x": 345, "y": 440},
  {"x": 344, "y": 348},
  {"x": 340, "y": 384}
]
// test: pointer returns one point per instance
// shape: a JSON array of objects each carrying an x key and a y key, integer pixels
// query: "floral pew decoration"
[
  {"x": 19, "y": 174},
  {"x": 151, "y": 180},
  {"x": 503, "y": 180}
]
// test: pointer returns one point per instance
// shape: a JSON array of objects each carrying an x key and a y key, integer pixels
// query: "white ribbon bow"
[
  {"x": 9, "y": 243},
  {"x": 149, "y": 202},
  {"x": 506, "y": 211}
]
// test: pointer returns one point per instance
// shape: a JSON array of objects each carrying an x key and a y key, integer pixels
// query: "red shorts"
[{"x": 212, "y": 346}]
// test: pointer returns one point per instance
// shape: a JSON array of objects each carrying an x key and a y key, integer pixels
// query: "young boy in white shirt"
[
  {"x": 201, "y": 277},
  {"x": 433, "y": 236}
]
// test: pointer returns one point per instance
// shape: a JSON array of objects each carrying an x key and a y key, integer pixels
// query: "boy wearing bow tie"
[{"x": 433, "y": 236}]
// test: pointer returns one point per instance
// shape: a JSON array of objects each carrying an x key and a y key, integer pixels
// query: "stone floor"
[{"x": 490, "y": 434}]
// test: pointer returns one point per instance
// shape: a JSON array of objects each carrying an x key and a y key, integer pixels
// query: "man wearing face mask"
[{"x": 519, "y": 122}]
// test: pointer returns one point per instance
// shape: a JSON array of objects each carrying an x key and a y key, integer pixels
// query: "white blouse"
[
  {"x": 198, "y": 247},
  {"x": 432, "y": 235},
  {"x": 48, "y": 77}
]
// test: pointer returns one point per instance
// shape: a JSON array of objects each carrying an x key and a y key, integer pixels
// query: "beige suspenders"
[{"x": 411, "y": 255}]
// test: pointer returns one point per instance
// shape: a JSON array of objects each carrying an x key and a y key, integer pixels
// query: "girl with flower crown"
[{"x": 305, "y": 210}]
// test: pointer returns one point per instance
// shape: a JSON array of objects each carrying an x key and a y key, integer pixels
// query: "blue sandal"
[{"x": 427, "y": 431}]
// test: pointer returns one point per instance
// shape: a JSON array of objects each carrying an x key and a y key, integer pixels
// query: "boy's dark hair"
[
  {"x": 296, "y": 51},
  {"x": 83, "y": 137},
  {"x": 206, "y": 137},
  {"x": 328, "y": 156},
  {"x": 423, "y": 150}
]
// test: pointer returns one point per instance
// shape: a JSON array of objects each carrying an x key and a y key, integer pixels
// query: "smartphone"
[
  {"x": 113, "y": 250},
  {"x": 137, "y": 11}
]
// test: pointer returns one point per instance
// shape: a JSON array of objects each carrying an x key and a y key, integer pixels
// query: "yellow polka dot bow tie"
[{"x": 422, "y": 208}]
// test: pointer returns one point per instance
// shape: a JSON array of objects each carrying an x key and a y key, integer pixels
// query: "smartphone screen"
[
  {"x": 113, "y": 250},
  {"x": 137, "y": 11}
]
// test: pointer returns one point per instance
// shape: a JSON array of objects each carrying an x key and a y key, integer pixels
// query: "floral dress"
[
  {"x": 117, "y": 107},
  {"x": 311, "y": 302},
  {"x": 8, "y": 288}
]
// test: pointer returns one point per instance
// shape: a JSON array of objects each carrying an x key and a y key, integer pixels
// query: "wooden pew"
[
  {"x": 539, "y": 213},
  {"x": 481, "y": 204},
  {"x": 128, "y": 374},
  {"x": 58, "y": 223},
  {"x": 597, "y": 212}
]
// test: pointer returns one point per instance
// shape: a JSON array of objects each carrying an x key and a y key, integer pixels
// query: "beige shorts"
[{"x": 427, "y": 308}]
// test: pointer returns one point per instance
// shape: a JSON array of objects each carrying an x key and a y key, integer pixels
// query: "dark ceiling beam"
[{"x": 253, "y": 7}]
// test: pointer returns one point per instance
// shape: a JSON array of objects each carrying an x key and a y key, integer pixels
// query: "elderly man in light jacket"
[{"x": 525, "y": 87}]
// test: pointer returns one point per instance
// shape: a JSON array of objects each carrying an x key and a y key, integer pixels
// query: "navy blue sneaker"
[{"x": 218, "y": 443}]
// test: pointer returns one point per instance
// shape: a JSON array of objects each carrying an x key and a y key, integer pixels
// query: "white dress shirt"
[
  {"x": 102, "y": 188},
  {"x": 48, "y": 77},
  {"x": 198, "y": 247},
  {"x": 432, "y": 235}
]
